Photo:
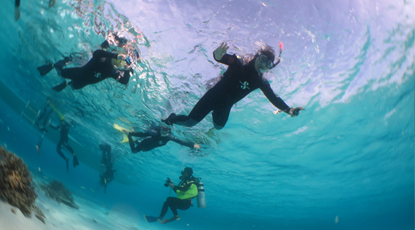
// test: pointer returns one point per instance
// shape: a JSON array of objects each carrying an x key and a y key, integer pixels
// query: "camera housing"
[{"x": 168, "y": 181}]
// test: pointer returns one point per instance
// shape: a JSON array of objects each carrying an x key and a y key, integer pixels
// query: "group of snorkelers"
[{"x": 243, "y": 75}]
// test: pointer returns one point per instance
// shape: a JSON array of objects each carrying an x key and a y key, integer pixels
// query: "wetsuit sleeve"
[
  {"x": 185, "y": 143},
  {"x": 227, "y": 59},
  {"x": 273, "y": 98},
  {"x": 104, "y": 54},
  {"x": 17, "y": 3}
]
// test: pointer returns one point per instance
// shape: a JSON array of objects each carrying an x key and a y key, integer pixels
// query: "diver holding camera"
[{"x": 186, "y": 190}]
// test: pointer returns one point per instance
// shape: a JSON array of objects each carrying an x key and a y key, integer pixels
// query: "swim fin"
[
  {"x": 122, "y": 129},
  {"x": 45, "y": 69},
  {"x": 75, "y": 161},
  {"x": 60, "y": 87},
  {"x": 150, "y": 219}
]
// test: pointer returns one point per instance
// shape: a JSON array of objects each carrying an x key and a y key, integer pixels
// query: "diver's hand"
[
  {"x": 295, "y": 111},
  {"x": 16, "y": 13},
  {"x": 196, "y": 146},
  {"x": 171, "y": 185},
  {"x": 221, "y": 51},
  {"x": 121, "y": 57}
]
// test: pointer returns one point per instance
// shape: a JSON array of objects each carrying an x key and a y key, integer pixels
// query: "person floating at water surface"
[
  {"x": 154, "y": 138},
  {"x": 238, "y": 81},
  {"x": 99, "y": 68}
]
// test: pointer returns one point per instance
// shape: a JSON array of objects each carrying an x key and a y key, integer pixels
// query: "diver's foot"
[
  {"x": 67, "y": 164},
  {"x": 165, "y": 221},
  {"x": 168, "y": 121}
]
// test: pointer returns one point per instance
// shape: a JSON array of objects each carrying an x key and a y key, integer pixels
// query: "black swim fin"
[
  {"x": 150, "y": 219},
  {"x": 45, "y": 69},
  {"x": 60, "y": 87},
  {"x": 75, "y": 161}
]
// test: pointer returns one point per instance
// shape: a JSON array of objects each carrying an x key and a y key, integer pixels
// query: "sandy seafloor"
[{"x": 59, "y": 216}]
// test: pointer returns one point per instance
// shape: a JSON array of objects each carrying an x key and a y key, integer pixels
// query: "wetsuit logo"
[
  {"x": 97, "y": 75},
  {"x": 244, "y": 85}
]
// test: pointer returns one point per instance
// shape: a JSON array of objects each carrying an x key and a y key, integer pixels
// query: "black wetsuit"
[
  {"x": 106, "y": 178},
  {"x": 153, "y": 139},
  {"x": 237, "y": 82},
  {"x": 106, "y": 155},
  {"x": 64, "y": 140},
  {"x": 17, "y": 3},
  {"x": 45, "y": 116},
  {"x": 175, "y": 203},
  {"x": 97, "y": 69}
]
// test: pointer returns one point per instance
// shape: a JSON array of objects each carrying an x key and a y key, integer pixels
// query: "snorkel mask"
[{"x": 267, "y": 57}]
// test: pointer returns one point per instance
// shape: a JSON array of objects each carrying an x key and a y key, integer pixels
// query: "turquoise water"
[{"x": 349, "y": 155}]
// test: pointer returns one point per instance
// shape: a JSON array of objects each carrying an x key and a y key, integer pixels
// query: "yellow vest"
[{"x": 190, "y": 193}]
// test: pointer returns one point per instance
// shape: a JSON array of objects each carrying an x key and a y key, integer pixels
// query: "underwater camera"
[{"x": 168, "y": 181}]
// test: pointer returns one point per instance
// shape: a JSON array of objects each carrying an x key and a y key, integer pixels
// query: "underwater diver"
[
  {"x": 154, "y": 138},
  {"x": 106, "y": 178},
  {"x": 238, "y": 81},
  {"x": 44, "y": 116},
  {"x": 99, "y": 68},
  {"x": 63, "y": 141},
  {"x": 186, "y": 190},
  {"x": 106, "y": 159}
]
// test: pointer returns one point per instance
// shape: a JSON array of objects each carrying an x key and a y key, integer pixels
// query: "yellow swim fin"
[{"x": 122, "y": 129}]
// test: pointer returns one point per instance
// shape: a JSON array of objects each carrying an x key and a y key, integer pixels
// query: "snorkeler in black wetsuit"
[
  {"x": 108, "y": 175},
  {"x": 238, "y": 81},
  {"x": 99, "y": 68},
  {"x": 155, "y": 138},
  {"x": 64, "y": 130}
]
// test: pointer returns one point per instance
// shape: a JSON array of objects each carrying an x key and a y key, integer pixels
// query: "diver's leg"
[
  {"x": 133, "y": 148},
  {"x": 59, "y": 149},
  {"x": 69, "y": 148},
  {"x": 168, "y": 203},
  {"x": 146, "y": 145},
  {"x": 220, "y": 116},
  {"x": 183, "y": 204},
  {"x": 138, "y": 134},
  {"x": 60, "y": 64},
  {"x": 201, "y": 109}
]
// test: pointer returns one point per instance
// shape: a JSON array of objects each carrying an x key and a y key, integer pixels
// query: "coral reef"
[
  {"x": 57, "y": 191},
  {"x": 16, "y": 184}
]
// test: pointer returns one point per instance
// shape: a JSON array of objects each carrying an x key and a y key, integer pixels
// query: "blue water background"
[{"x": 350, "y": 154}]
